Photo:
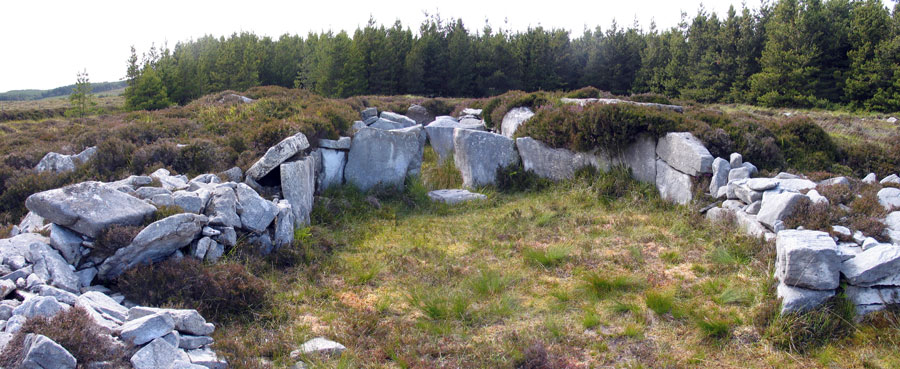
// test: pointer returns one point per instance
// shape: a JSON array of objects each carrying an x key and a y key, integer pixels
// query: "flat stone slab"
[
  {"x": 889, "y": 197},
  {"x": 777, "y": 206},
  {"x": 807, "y": 259},
  {"x": 154, "y": 243},
  {"x": 796, "y": 299},
  {"x": 278, "y": 154},
  {"x": 479, "y": 154},
  {"x": 89, "y": 207},
  {"x": 554, "y": 164},
  {"x": 318, "y": 346},
  {"x": 453, "y": 197},
  {"x": 383, "y": 157},
  {"x": 672, "y": 184},
  {"x": 685, "y": 153},
  {"x": 872, "y": 265},
  {"x": 342, "y": 143}
]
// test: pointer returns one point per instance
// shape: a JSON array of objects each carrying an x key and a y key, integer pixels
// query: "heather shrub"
[
  {"x": 74, "y": 330},
  {"x": 584, "y": 93},
  {"x": 497, "y": 107},
  {"x": 806, "y": 146},
  {"x": 819, "y": 216},
  {"x": 201, "y": 156},
  {"x": 113, "y": 238},
  {"x": 221, "y": 292},
  {"x": 159, "y": 154},
  {"x": 112, "y": 157}
]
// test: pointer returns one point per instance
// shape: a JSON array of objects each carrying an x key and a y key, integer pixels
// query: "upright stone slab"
[
  {"x": 42, "y": 352},
  {"x": 807, "y": 259},
  {"x": 685, "y": 153},
  {"x": 554, "y": 164},
  {"x": 278, "y": 154},
  {"x": 479, "y": 155},
  {"x": 777, "y": 206},
  {"x": 640, "y": 157},
  {"x": 331, "y": 172},
  {"x": 513, "y": 119},
  {"x": 419, "y": 114},
  {"x": 298, "y": 186},
  {"x": 720, "y": 169},
  {"x": 796, "y": 299},
  {"x": 673, "y": 185},
  {"x": 154, "y": 243},
  {"x": 383, "y": 157},
  {"x": 284, "y": 224},
  {"x": 89, "y": 207}
]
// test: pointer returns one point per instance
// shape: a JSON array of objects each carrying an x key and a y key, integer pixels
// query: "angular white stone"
[
  {"x": 685, "y": 153},
  {"x": 807, "y": 259}
]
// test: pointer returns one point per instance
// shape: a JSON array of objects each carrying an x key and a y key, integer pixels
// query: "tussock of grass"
[
  {"x": 601, "y": 285},
  {"x": 549, "y": 257},
  {"x": 801, "y": 332},
  {"x": 661, "y": 302}
]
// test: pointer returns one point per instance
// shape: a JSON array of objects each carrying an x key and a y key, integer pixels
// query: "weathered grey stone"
[
  {"x": 777, "y": 206},
  {"x": 157, "y": 354},
  {"x": 318, "y": 346},
  {"x": 807, "y": 259},
  {"x": 89, "y": 207},
  {"x": 796, "y": 184},
  {"x": 672, "y": 184},
  {"x": 228, "y": 236},
  {"x": 848, "y": 250},
  {"x": 200, "y": 247},
  {"x": 513, "y": 119},
  {"x": 753, "y": 170},
  {"x": 55, "y": 162},
  {"x": 640, "y": 157},
  {"x": 753, "y": 208},
  {"x": 582, "y": 102},
  {"x": 736, "y": 160},
  {"x": 873, "y": 295},
  {"x": 842, "y": 231},
  {"x": 386, "y": 125},
  {"x": 796, "y": 299},
  {"x": 34, "y": 281},
  {"x": 45, "y": 306},
  {"x": 189, "y": 342},
  {"x": 222, "y": 208},
  {"x": 331, "y": 173},
  {"x": 357, "y": 125},
  {"x": 440, "y": 135},
  {"x": 154, "y": 243},
  {"x": 453, "y": 197},
  {"x": 103, "y": 304},
  {"x": 255, "y": 212},
  {"x": 278, "y": 154},
  {"x": 145, "y": 329},
  {"x": 870, "y": 178},
  {"x": 298, "y": 185},
  {"x": 554, "y": 164},
  {"x": 284, "y": 224},
  {"x": 263, "y": 243},
  {"x": 6, "y": 287},
  {"x": 761, "y": 184},
  {"x": 168, "y": 181},
  {"x": 216, "y": 250},
  {"x": 162, "y": 200},
  {"x": 836, "y": 181},
  {"x": 15, "y": 323},
  {"x": 472, "y": 111},
  {"x": 893, "y": 178},
  {"x": 816, "y": 198},
  {"x": 745, "y": 194},
  {"x": 368, "y": 113},
  {"x": 342, "y": 143},
  {"x": 685, "y": 153},
  {"x": 382, "y": 157},
  {"x": 192, "y": 202},
  {"x": 889, "y": 198},
  {"x": 51, "y": 266},
  {"x": 415, "y": 166},
  {"x": 172, "y": 338},
  {"x": 86, "y": 276},
  {"x": 479, "y": 155},
  {"x": 234, "y": 174},
  {"x": 720, "y": 169},
  {"x": 207, "y": 178},
  {"x": 872, "y": 265},
  {"x": 62, "y": 296},
  {"x": 187, "y": 321},
  {"x": 419, "y": 114},
  {"x": 31, "y": 222},
  {"x": 208, "y": 358},
  {"x": 42, "y": 353},
  {"x": 402, "y": 119},
  {"x": 68, "y": 243},
  {"x": 738, "y": 173}
]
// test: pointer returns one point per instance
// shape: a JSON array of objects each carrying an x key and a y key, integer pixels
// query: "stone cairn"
[{"x": 44, "y": 275}]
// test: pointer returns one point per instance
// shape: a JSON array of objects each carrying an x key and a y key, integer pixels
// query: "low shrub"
[
  {"x": 74, "y": 330},
  {"x": 584, "y": 93},
  {"x": 497, "y": 107},
  {"x": 601, "y": 285},
  {"x": 820, "y": 216},
  {"x": 661, "y": 302},
  {"x": 112, "y": 157},
  {"x": 113, "y": 238},
  {"x": 806, "y": 146},
  {"x": 801, "y": 332},
  {"x": 221, "y": 292},
  {"x": 537, "y": 357}
]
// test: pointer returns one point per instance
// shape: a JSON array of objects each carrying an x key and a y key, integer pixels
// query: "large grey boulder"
[
  {"x": 192, "y": 201},
  {"x": 278, "y": 154},
  {"x": 52, "y": 267},
  {"x": 807, "y": 259},
  {"x": 331, "y": 171},
  {"x": 889, "y": 197},
  {"x": 685, "y": 153},
  {"x": 872, "y": 265},
  {"x": 419, "y": 114},
  {"x": 255, "y": 212},
  {"x": 777, "y": 206},
  {"x": 452, "y": 197},
  {"x": 187, "y": 321},
  {"x": 640, "y": 157},
  {"x": 168, "y": 181},
  {"x": 222, "y": 207},
  {"x": 796, "y": 299},
  {"x": 796, "y": 184},
  {"x": 513, "y": 119},
  {"x": 368, "y": 113},
  {"x": 893, "y": 178},
  {"x": 720, "y": 169},
  {"x": 145, "y": 329},
  {"x": 41, "y": 352},
  {"x": 672, "y": 184},
  {"x": 89, "y": 207},
  {"x": 383, "y": 157},
  {"x": 157, "y": 354},
  {"x": 154, "y": 243},
  {"x": 440, "y": 135},
  {"x": 43, "y": 306},
  {"x": 189, "y": 342},
  {"x": 103, "y": 305},
  {"x": 873, "y": 295},
  {"x": 402, "y": 119},
  {"x": 298, "y": 185},
  {"x": 479, "y": 154},
  {"x": 555, "y": 164},
  {"x": 55, "y": 162}
]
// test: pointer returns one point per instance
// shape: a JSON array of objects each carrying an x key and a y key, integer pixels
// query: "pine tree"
[
  {"x": 149, "y": 92},
  {"x": 80, "y": 99}
]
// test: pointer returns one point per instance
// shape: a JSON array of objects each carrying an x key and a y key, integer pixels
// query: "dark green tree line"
[{"x": 789, "y": 53}]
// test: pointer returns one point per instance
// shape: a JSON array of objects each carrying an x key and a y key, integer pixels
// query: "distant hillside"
[{"x": 26, "y": 95}]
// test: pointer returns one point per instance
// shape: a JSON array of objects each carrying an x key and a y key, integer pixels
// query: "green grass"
[
  {"x": 661, "y": 302},
  {"x": 601, "y": 285},
  {"x": 549, "y": 257}
]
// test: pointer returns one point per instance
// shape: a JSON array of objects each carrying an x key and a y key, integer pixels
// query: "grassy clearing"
[{"x": 563, "y": 275}]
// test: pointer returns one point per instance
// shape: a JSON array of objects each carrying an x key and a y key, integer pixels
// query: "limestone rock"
[
  {"x": 401, "y": 119},
  {"x": 168, "y": 181},
  {"x": 278, "y": 154},
  {"x": 331, "y": 173},
  {"x": 554, "y": 164},
  {"x": 45, "y": 306},
  {"x": 68, "y": 243},
  {"x": 382, "y": 157},
  {"x": 777, "y": 206},
  {"x": 187, "y": 321},
  {"x": 89, "y": 207},
  {"x": 893, "y": 178},
  {"x": 234, "y": 174},
  {"x": 738, "y": 173},
  {"x": 342, "y": 143},
  {"x": 872, "y": 265},
  {"x": 284, "y": 224},
  {"x": 673, "y": 185},
  {"x": 796, "y": 299},
  {"x": 513, "y": 119},
  {"x": 368, "y": 113},
  {"x": 222, "y": 207},
  {"x": 157, "y": 354},
  {"x": 720, "y": 169},
  {"x": 55, "y": 162},
  {"x": 419, "y": 114},
  {"x": 255, "y": 212},
  {"x": 440, "y": 135},
  {"x": 640, "y": 157},
  {"x": 207, "y": 358},
  {"x": 318, "y": 346},
  {"x": 889, "y": 198},
  {"x": 298, "y": 185},
  {"x": 807, "y": 259},
  {"x": 479, "y": 155},
  {"x": 154, "y": 243},
  {"x": 453, "y": 197},
  {"x": 189, "y": 342},
  {"x": 685, "y": 153},
  {"x": 42, "y": 353},
  {"x": 870, "y": 178},
  {"x": 873, "y": 295},
  {"x": 146, "y": 329},
  {"x": 386, "y": 125},
  {"x": 736, "y": 160}
]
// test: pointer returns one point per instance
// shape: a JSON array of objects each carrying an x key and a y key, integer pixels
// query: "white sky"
[{"x": 43, "y": 43}]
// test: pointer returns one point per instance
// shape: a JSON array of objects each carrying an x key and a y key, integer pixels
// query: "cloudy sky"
[{"x": 44, "y": 43}]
